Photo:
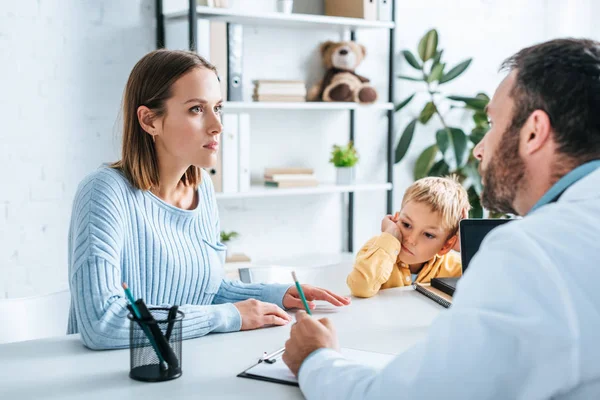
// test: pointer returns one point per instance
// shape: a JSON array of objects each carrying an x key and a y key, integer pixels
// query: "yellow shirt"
[{"x": 377, "y": 267}]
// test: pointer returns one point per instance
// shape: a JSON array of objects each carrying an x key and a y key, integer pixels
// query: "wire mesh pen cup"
[{"x": 155, "y": 346}]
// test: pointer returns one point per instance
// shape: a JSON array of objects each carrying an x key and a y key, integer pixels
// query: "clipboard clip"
[{"x": 271, "y": 358}]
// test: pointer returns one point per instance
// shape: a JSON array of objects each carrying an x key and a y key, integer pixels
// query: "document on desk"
[{"x": 276, "y": 371}]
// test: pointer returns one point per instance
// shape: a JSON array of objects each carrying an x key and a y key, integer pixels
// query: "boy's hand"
[{"x": 389, "y": 224}]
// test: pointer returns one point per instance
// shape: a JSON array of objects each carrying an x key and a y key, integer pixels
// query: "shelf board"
[
  {"x": 263, "y": 191},
  {"x": 308, "y": 105},
  {"x": 280, "y": 19}
]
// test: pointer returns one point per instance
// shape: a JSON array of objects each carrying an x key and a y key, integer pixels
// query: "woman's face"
[{"x": 192, "y": 124}]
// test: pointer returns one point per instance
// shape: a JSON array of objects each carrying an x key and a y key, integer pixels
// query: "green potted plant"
[
  {"x": 452, "y": 151},
  {"x": 344, "y": 158},
  {"x": 227, "y": 237}
]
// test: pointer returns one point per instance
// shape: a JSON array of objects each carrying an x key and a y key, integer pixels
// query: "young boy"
[{"x": 414, "y": 244}]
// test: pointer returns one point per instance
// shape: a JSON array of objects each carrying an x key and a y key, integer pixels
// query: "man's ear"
[
  {"x": 538, "y": 129},
  {"x": 448, "y": 245},
  {"x": 147, "y": 120}
]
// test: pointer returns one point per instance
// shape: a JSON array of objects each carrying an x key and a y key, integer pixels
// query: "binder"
[
  {"x": 218, "y": 52},
  {"x": 434, "y": 294},
  {"x": 230, "y": 159},
  {"x": 234, "y": 62},
  {"x": 384, "y": 10},
  {"x": 271, "y": 368},
  {"x": 216, "y": 173},
  {"x": 244, "y": 151}
]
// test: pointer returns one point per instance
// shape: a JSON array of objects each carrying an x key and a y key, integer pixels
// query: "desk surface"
[{"x": 61, "y": 368}]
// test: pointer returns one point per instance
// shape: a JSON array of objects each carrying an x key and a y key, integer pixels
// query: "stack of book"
[
  {"x": 290, "y": 177},
  {"x": 273, "y": 90}
]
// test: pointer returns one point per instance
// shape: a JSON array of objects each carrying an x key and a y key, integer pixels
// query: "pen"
[
  {"x": 142, "y": 325},
  {"x": 301, "y": 293},
  {"x": 269, "y": 358}
]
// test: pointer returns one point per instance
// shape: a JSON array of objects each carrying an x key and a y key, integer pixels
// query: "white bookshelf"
[
  {"x": 257, "y": 191},
  {"x": 257, "y": 105},
  {"x": 308, "y": 21}
]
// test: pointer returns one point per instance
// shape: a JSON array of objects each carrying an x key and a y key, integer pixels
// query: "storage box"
[{"x": 365, "y": 9}]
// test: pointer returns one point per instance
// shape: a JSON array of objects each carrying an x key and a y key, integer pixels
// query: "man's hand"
[
  {"x": 306, "y": 336},
  {"x": 256, "y": 314},
  {"x": 389, "y": 224},
  {"x": 291, "y": 299}
]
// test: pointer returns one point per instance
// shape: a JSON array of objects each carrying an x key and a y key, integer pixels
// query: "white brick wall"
[{"x": 63, "y": 67}]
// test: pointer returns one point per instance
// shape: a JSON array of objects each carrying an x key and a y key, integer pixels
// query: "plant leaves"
[
  {"x": 436, "y": 72},
  {"x": 443, "y": 141},
  {"x": 405, "y": 140},
  {"x": 411, "y": 59},
  {"x": 427, "y": 113},
  {"x": 440, "y": 168},
  {"x": 473, "y": 102},
  {"x": 425, "y": 162},
  {"x": 456, "y": 71},
  {"x": 471, "y": 171},
  {"x": 481, "y": 119},
  {"x": 477, "y": 134},
  {"x": 476, "y": 208},
  {"x": 428, "y": 45},
  {"x": 404, "y": 102},
  {"x": 459, "y": 144},
  {"x": 410, "y": 78},
  {"x": 438, "y": 56}
]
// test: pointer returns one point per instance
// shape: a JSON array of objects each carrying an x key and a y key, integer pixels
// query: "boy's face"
[{"x": 422, "y": 234}]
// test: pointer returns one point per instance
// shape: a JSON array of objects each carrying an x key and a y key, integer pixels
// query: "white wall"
[{"x": 65, "y": 63}]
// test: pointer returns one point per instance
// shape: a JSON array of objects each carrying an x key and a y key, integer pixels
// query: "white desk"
[{"x": 61, "y": 368}]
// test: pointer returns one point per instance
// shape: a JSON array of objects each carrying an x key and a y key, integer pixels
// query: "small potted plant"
[
  {"x": 227, "y": 237},
  {"x": 344, "y": 158}
]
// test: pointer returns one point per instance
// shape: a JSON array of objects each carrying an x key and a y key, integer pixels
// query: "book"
[
  {"x": 289, "y": 177},
  {"x": 434, "y": 294},
  {"x": 290, "y": 184},
  {"x": 446, "y": 285},
  {"x": 288, "y": 170}
]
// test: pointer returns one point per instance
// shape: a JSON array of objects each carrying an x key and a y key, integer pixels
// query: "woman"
[{"x": 151, "y": 219}]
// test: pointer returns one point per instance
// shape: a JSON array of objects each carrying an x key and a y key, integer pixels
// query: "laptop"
[{"x": 472, "y": 232}]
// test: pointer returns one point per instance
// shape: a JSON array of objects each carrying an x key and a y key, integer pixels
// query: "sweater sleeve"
[
  {"x": 95, "y": 274},
  {"x": 373, "y": 265}
]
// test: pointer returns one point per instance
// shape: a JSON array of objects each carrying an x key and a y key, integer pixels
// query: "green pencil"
[{"x": 301, "y": 293}]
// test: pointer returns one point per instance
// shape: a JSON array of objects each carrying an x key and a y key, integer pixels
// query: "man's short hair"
[{"x": 562, "y": 78}]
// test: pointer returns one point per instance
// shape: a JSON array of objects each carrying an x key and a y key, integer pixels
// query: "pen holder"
[{"x": 154, "y": 339}]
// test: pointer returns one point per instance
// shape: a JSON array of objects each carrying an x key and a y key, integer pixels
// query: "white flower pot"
[
  {"x": 345, "y": 175},
  {"x": 285, "y": 6}
]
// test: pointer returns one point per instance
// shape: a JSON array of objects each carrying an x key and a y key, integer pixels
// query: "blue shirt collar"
[{"x": 565, "y": 182}]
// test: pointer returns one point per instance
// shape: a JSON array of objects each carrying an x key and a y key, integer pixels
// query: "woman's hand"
[
  {"x": 256, "y": 314},
  {"x": 291, "y": 299}
]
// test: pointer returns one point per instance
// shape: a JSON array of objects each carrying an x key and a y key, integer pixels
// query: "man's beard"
[{"x": 504, "y": 175}]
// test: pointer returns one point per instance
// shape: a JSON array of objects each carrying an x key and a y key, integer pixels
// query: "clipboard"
[{"x": 271, "y": 368}]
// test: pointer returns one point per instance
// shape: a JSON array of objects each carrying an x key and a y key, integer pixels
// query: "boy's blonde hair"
[{"x": 444, "y": 195}]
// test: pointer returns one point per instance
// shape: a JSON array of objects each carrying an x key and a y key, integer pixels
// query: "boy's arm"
[{"x": 373, "y": 265}]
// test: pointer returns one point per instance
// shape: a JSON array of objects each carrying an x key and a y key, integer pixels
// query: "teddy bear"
[{"x": 341, "y": 83}]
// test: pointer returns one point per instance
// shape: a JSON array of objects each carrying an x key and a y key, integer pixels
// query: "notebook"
[
  {"x": 472, "y": 232},
  {"x": 274, "y": 370},
  {"x": 434, "y": 294}
]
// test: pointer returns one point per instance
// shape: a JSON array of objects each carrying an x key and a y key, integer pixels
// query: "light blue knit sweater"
[{"x": 165, "y": 254}]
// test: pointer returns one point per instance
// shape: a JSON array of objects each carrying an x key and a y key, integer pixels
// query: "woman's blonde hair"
[
  {"x": 150, "y": 84},
  {"x": 444, "y": 195}
]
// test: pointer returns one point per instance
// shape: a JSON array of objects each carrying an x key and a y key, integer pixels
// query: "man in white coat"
[{"x": 525, "y": 320}]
